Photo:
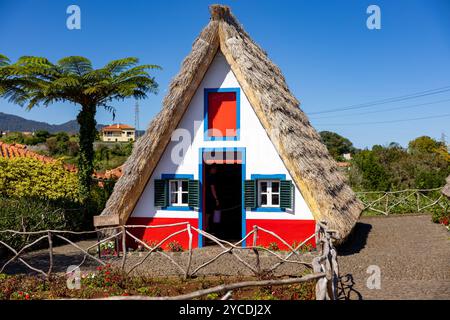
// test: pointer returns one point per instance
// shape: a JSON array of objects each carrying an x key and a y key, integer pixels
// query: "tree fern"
[{"x": 35, "y": 81}]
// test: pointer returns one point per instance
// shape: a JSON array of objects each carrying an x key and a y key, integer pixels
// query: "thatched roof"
[
  {"x": 313, "y": 170},
  {"x": 446, "y": 190}
]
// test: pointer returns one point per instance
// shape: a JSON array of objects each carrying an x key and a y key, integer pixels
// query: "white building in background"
[
  {"x": 118, "y": 133},
  {"x": 347, "y": 156}
]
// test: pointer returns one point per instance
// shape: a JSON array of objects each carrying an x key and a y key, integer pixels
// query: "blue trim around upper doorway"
[{"x": 200, "y": 175}]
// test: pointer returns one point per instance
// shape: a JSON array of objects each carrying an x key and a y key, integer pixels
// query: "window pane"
[
  {"x": 275, "y": 186},
  {"x": 263, "y": 186},
  {"x": 184, "y": 185},
  {"x": 222, "y": 114},
  {"x": 264, "y": 199},
  {"x": 184, "y": 198},
  {"x": 174, "y": 198},
  {"x": 275, "y": 199},
  {"x": 173, "y": 186}
]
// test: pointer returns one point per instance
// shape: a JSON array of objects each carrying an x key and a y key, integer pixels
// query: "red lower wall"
[
  {"x": 154, "y": 235},
  {"x": 291, "y": 231}
]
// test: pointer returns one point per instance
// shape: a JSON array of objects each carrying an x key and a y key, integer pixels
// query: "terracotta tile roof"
[
  {"x": 16, "y": 150},
  {"x": 117, "y": 127},
  {"x": 110, "y": 174},
  {"x": 344, "y": 164}
]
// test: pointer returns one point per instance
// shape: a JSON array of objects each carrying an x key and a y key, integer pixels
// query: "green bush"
[
  {"x": 27, "y": 214},
  {"x": 36, "y": 214},
  {"x": 26, "y": 177}
]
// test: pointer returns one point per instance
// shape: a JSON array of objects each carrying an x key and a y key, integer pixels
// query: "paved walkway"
[{"x": 412, "y": 252}]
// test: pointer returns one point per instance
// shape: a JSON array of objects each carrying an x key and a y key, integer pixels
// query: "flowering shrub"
[
  {"x": 273, "y": 246},
  {"x": 106, "y": 276},
  {"x": 26, "y": 177},
  {"x": 174, "y": 246},
  {"x": 442, "y": 217},
  {"x": 20, "y": 295},
  {"x": 107, "y": 281},
  {"x": 445, "y": 221},
  {"x": 107, "y": 248},
  {"x": 305, "y": 248},
  {"x": 153, "y": 243}
]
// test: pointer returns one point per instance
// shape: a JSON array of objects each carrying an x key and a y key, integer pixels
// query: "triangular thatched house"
[
  {"x": 235, "y": 113},
  {"x": 446, "y": 190}
]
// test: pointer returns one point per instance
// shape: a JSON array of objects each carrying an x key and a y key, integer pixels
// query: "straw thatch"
[
  {"x": 313, "y": 170},
  {"x": 446, "y": 190}
]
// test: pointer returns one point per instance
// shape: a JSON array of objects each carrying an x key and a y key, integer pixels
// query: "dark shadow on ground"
[
  {"x": 356, "y": 241},
  {"x": 346, "y": 289},
  {"x": 41, "y": 261}
]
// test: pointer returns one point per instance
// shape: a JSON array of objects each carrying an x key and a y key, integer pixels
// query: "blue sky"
[{"x": 329, "y": 57}]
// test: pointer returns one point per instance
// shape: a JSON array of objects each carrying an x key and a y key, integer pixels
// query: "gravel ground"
[
  {"x": 157, "y": 264},
  {"x": 412, "y": 252}
]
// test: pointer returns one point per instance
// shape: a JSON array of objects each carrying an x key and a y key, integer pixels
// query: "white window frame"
[
  {"x": 269, "y": 193},
  {"x": 179, "y": 191}
]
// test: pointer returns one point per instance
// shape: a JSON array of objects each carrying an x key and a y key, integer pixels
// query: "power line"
[
  {"x": 387, "y": 100},
  {"x": 384, "y": 110},
  {"x": 383, "y": 122}
]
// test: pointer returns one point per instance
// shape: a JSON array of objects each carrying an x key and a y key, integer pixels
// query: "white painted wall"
[{"x": 261, "y": 156}]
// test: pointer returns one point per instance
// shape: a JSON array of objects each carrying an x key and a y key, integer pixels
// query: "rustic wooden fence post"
[
  {"x": 255, "y": 249},
  {"x": 50, "y": 253},
  {"x": 189, "y": 231},
  {"x": 124, "y": 247},
  {"x": 99, "y": 247}
]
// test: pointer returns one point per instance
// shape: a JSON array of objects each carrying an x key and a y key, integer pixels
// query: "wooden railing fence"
[
  {"x": 404, "y": 201},
  {"x": 324, "y": 266}
]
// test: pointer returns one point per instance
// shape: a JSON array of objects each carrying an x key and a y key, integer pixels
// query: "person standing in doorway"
[{"x": 212, "y": 198}]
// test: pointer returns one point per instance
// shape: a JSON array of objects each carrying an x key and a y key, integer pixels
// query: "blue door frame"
[{"x": 200, "y": 178}]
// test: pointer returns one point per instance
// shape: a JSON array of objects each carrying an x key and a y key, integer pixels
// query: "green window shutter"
[
  {"x": 250, "y": 193},
  {"x": 194, "y": 193},
  {"x": 286, "y": 194},
  {"x": 161, "y": 193}
]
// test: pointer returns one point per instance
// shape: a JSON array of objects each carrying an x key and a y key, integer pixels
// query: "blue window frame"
[
  {"x": 238, "y": 114},
  {"x": 267, "y": 177},
  {"x": 169, "y": 177}
]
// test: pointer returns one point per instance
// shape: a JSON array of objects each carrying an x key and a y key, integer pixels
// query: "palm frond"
[
  {"x": 32, "y": 60},
  {"x": 117, "y": 66},
  {"x": 75, "y": 64},
  {"x": 4, "y": 60},
  {"x": 32, "y": 81}
]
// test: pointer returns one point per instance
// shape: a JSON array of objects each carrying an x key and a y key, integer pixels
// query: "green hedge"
[{"x": 26, "y": 177}]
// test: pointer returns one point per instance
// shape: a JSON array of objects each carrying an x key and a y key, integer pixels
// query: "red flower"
[
  {"x": 99, "y": 268},
  {"x": 27, "y": 296},
  {"x": 20, "y": 293},
  {"x": 107, "y": 272},
  {"x": 125, "y": 294}
]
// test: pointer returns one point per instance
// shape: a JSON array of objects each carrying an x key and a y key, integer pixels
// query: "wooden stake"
[
  {"x": 50, "y": 253},
  {"x": 124, "y": 247}
]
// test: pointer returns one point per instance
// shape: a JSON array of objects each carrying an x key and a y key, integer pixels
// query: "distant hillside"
[{"x": 9, "y": 122}]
